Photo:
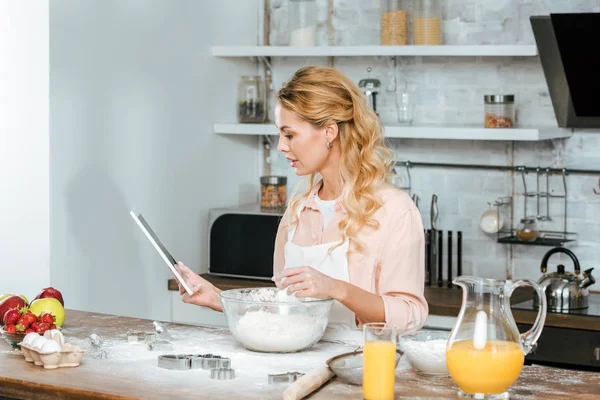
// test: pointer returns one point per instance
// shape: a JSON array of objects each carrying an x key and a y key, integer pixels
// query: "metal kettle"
[{"x": 564, "y": 291}]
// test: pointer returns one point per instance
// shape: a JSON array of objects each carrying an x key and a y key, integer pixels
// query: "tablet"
[{"x": 160, "y": 248}]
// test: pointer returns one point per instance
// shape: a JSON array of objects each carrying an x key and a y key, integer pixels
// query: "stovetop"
[{"x": 593, "y": 309}]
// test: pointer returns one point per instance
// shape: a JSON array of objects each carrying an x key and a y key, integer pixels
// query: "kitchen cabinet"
[{"x": 130, "y": 371}]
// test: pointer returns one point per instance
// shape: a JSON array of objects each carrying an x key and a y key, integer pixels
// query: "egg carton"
[{"x": 50, "y": 350}]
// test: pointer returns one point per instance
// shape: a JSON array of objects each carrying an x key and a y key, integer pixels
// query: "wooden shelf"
[
  {"x": 410, "y": 132},
  {"x": 361, "y": 51}
]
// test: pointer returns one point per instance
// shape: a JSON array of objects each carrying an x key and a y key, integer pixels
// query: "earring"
[{"x": 329, "y": 145}]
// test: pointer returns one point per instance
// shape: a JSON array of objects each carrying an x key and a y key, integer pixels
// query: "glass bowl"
[
  {"x": 426, "y": 351},
  {"x": 13, "y": 338},
  {"x": 268, "y": 320},
  {"x": 349, "y": 366}
]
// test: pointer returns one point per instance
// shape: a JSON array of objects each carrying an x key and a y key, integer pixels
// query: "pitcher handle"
[{"x": 529, "y": 338}]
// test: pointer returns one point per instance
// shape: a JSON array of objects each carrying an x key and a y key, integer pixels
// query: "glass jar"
[
  {"x": 251, "y": 100},
  {"x": 499, "y": 111},
  {"x": 273, "y": 193},
  {"x": 302, "y": 22},
  {"x": 427, "y": 22},
  {"x": 394, "y": 23},
  {"x": 527, "y": 229}
]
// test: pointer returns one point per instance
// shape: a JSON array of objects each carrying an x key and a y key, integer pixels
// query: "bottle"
[
  {"x": 394, "y": 23},
  {"x": 251, "y": 100},
  {"x": 302, "y": 20},
  {"x": 427, "y": 22}
]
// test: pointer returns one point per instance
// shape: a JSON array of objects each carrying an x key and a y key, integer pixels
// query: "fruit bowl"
[
  {"x": 13, "y": 338},
  {"x": 268, "y": 320}
]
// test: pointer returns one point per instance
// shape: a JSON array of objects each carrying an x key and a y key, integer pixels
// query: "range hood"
[{"x": 570, "y": 56}]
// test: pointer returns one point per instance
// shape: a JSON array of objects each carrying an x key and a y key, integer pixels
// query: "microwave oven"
[{"x": 241, "y": 242}]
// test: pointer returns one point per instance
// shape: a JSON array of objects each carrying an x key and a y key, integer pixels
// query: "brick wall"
[{"x": 449, "y": 91}]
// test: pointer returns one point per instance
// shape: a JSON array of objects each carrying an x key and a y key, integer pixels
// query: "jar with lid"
[
  {"x": 527, "y": 229},
  {"x": 427, "y": 22},
  {"x": 302, "y": 22},
  {"x": 273, "y": 193},
  {"x": 499, "y": 111},
  {"x": 251, "y": 105},
  {"x": 370, "y": 88},
  {"x": 394, "y": 23}
]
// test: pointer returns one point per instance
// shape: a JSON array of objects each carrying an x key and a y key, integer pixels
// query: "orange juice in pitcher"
[{"x": 485, "y": 351}]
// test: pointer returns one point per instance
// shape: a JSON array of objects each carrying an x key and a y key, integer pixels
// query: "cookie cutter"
[
  {"x": 288, "y": 377},
  {"x": 193, "y": 361},
  {"x": 222, "y": 373},
  {"x": 162, "y": 331},
  {"x": 175, "y": 362}
]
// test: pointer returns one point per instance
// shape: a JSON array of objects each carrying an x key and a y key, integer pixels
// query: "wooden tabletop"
[
  {"x": 441, "y": 301},
  {"x": 131, "y": 371}
]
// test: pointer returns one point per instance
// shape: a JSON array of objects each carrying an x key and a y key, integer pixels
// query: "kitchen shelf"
[
  {"x": 410, "y": 132},
  {"x": 361, "y": 51},
  {"x": 554, "y": 242}
]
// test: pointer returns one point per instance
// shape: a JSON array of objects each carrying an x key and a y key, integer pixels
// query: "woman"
[{"x": 350, "y": 236}]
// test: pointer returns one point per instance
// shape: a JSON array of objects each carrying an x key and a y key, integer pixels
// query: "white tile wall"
[{"x": 449, "y": 91}]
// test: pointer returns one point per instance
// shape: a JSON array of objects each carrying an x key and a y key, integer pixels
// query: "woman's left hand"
[{"x": 307, "y": 282}]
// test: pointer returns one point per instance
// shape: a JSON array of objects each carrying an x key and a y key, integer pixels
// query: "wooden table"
[
  {"x": 130, "y": 371},
  {"x": 442, "y": 301}
]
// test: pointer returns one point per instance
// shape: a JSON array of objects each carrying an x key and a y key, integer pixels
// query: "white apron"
[{"x": 342, "y": 322}]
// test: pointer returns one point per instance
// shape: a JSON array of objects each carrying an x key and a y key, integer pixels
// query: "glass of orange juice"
[{"x": 379, "y": 361}]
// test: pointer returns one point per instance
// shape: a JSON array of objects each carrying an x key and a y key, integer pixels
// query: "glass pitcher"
[{"x": 485, "y": 351}]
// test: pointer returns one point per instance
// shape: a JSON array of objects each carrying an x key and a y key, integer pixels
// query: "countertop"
[
  {"x": 130, "y": 371},
  {"x": 443, "y": 301}
]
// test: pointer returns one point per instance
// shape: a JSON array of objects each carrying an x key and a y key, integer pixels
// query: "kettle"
[
  {"x": 564, "y": 291},
  {"x": 370, "y": 88}
]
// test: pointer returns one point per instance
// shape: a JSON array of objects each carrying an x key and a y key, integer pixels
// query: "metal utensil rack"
[
  {"x": 508, "y": 236},
  {"x": 544, "y": 237}
]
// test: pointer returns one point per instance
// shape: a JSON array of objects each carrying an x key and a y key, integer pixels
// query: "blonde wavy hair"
[{"x": 321, "y": 95}]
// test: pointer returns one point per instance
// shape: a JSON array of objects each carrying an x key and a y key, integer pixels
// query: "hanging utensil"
[{"x": 433, "y": 239}]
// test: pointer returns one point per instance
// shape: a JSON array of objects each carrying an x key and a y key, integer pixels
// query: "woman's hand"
[
  {"x": 307, "y": 282},
  {"x": 204, "y": 293}
]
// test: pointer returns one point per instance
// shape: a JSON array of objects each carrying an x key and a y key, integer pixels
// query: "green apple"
[{"x": 49, "y": 305}]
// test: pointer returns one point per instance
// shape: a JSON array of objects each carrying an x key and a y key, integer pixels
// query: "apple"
[
  {"x": 48, "y": 305},
  {"x": 4, "y": 296},
  {"x": 50, "y": 292},
  {"x": 11, "y": 302},
  {"x": 24, "y": 298}
]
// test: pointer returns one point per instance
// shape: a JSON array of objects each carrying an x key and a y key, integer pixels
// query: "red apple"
[
  {"x": 9, "y": 303},
  {"x": 52, "y": 293}
]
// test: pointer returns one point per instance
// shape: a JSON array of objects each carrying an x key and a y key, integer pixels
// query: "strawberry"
[
  {"x": 31, "y": 317},
  {"x": 29, "y": 330},
  {"x": 20, "y": 328},
  {"x": 35, "y": 325},
  {"x": 11, "y": 317},
  {"x": 47, "y": 318},
  {"x": 52, "y": 326},
  {"x": 42, "y": 327},
  {"x": 23, "y": 321},
  {"x": 10, "y": 328}
]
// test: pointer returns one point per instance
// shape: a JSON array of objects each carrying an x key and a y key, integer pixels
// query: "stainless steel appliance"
[
  {"x": 564, "y": 290},
  {"x": 241, "y": 242}
]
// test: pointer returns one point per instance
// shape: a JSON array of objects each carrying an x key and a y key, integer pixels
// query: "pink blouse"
[{"x": 392, "y": 262}]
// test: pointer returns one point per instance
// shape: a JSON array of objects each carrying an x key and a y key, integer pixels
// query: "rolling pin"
[{"x": 308, "y": 383}]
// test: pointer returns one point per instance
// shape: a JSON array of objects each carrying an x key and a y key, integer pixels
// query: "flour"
[
  {"x": 427, "y": 357},
  {"x": 265, "y": 331}
]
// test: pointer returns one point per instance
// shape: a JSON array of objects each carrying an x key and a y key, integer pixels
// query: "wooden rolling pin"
[{"x": 308, "y": 383}]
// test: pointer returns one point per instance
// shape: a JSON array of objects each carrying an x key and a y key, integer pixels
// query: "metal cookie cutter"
[
  {"x": 174, "y": 361},
  {"x": 284, "y": 378},
  {"x": 222, "y": 373}
]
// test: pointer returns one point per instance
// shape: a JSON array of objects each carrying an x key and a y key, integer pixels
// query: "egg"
[
  {"x": 55, "y": 335},
  {"x": 29, "y": 338},
  {"x": 50, "y": 346},
  {"x": 38, "y": 342}
]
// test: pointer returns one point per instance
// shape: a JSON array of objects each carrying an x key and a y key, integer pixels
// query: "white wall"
[
  {"x": 134, "y": 93},
  {"x": 24, "y": 199}
]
